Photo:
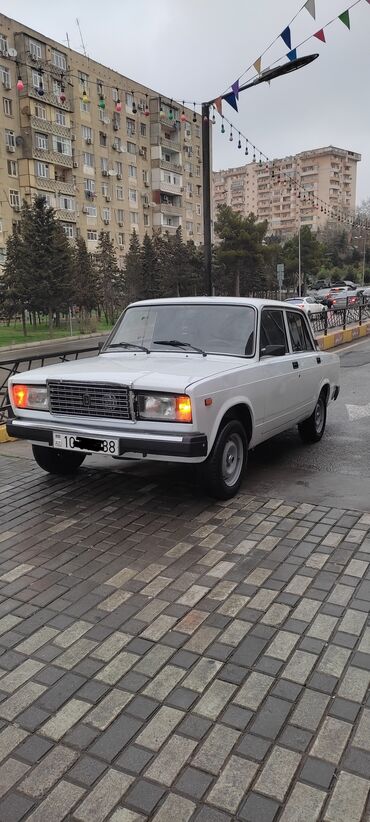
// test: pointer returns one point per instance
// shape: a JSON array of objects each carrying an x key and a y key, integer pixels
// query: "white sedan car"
[
  {"x": 193, "y": 380},
  {"x": 309, "y": 305}
]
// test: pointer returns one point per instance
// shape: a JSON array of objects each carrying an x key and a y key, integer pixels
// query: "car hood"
[{"x": 156, "y": 372}]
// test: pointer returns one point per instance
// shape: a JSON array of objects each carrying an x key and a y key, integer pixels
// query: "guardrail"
[
  {"x": 341, "y": 318},
  {"x": 21, "y": 364}
]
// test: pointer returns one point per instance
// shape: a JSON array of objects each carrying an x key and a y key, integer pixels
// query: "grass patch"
[{"x": 13, "y": 334}]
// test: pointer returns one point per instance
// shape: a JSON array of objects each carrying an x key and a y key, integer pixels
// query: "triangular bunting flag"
[
  {"x": 257, "y": 63},
  {"x": 231, "y": 100},
  {"x": 344, "y": 17},
  {"x": 292, "y": 55},
  {"x": 310, "y": 6},
  {"x": 320, "y": 35},
  {"x": 218, "y": 104},
  {"x": 235, "y": 88},
  {"x": 286, "y": 37}
]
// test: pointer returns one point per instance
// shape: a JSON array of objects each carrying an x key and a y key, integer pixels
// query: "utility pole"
[
  {"x": 364, "y": 260},
  {"x": 299, "y": 262}
]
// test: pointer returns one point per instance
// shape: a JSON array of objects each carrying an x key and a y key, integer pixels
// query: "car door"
[
  {"x": 279, "y": 373},
  {"x": 307, "y": 360}
]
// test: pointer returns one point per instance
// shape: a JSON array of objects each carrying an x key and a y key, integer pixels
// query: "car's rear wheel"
[
  {"x": 312, "y": 429},
  {"x": 222, "y": 473},
  {"x": 56, "y": 461}
]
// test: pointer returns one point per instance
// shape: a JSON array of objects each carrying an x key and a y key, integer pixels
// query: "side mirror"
[{"x": 273, "y": 351}]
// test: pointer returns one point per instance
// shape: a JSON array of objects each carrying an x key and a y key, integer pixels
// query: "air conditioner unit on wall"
[
  {"x": 10, "y": 148},
  {"x": 107, "y": 198},
  {"x": 119, "y": 176},
  {"x": 120, "y": 225},
  {"x": 104, "y": 172},
  {"x": 106, "y": 222},
  {"x": 75, "y": 164},
  {"x": 88, "y": 141}
]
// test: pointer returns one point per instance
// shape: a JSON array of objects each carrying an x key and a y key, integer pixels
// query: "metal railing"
[
  {"x": 341, "y": 318},
  {"x": 20, "y": 364}
]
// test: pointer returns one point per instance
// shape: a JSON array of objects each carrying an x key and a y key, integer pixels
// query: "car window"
[
  {"x": 272, "y": 328},
  {"x": 299, "y": 335}
]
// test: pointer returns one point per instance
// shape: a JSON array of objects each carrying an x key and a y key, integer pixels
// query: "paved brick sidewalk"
[{"x": 166, "y": 658}]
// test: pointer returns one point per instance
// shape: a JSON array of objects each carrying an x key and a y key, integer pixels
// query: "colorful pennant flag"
[
  {"x": 235, "y": 88},
  {"x": 218, "y": 104},
  {"x": 320, "y": 35},
  {"x": 292, "y": 55},
  {"x": 231, "y": 100},
  {"x": 257, "y": 63},
  {"x": 344, "y": 17},
  {"x": 286, "y": 37},
  {"x": 310, "y": 6}
]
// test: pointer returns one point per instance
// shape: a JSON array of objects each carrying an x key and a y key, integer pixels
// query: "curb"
[
  {"x": 337, "y": 338},
  {"x": 4, "y": 436},
  {"x": 54, "y": 341}
]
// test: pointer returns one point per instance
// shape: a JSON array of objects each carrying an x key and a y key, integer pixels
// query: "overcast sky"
[{"x": 194, "y": 49}]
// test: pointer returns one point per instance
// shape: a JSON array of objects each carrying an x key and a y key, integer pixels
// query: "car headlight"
[
  {"x": 175, "y": 408},
  {"x": 34, "y": 397}
]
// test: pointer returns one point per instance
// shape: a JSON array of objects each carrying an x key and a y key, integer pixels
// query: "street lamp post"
[
  {"x": 299, "y": 262},
  {"x": 264, "y": 77},
  {"x": 363, "y": 256}
]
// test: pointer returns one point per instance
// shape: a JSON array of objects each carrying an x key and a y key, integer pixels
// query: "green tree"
[
  {"x": 312, "y": 255},
  {"x": 133, "y": 272},
  {"x": 240, "y": 251},
  {"x": 85, "y": 279},
  {"x": 15, "y": 287},
  {"x": 151, "y": 276},
  {"x": 108, "y": 277}
]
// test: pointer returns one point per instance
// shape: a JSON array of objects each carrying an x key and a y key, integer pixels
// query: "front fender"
[{"x": 227, "y": 404}]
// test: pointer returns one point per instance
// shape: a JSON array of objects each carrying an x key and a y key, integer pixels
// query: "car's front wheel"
[
  {"x": 312, "y": 429},
  {"x": 222, "y": 473},
  {"x": 56, "y": 461}
]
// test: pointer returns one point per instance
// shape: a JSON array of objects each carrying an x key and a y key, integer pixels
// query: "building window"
[
  {"x": 118, "y": 168},
  {"x": 142, "y": 129},
  {"x": 40, "y": 111},
  {"x": 132, "y": 195},
  {"x": 60, "y": 118},
  {"x": 3, "y": 44},
  {"x": 62, "y": 145},
  {"x": 42, "y": 169},
  {"x": 189, "y": 189},
  {"x": 117, "y": 144},
  {"x": 83, "y": 80},
  {"x": 87, "y": 133},
  {"x": 143, "y": 152},
  {"x": 199, "y": 189},
  {"x": 12, "y": 168},
  {"x": 102, "y": 138},
  {"x": 88, "y": 159},
  {"x": 104, "y": 164},
  {"x": 58, "y": 60},
  {"x": 199, "y": 230},
  {"x": 102, "y": 116},
  {"x": 197, "y": 171},
  {"x": 89, "y": 186},
  {"x": 92, "y": 234},
  {"x": 14, "y": 198},
  {"x": 189, "y": 226},
  {"x": 106, "y": 215},
  {"x": 35, "y": 49},
  {"x": 85, "y": 107},
  {"x": 5, "y": 77},
  {"x": 146, "y": 219},
  {"x": 8, "y": 106},
  {"x": 131, "y": 148},
  {"x": 145, "y": 177},
  {"x": 121, "y": 238},
  {"x": 129, "y": 99},
  {"x": 130, "y": 127},
  {"x": 119, "y": 192},
  {"x": 90, "y": 210},
  {"x": 37, "y": 79},
  {"x": 132, "y": 172},
  {"x": 67, "y": 203},
  {"x": 9, "y": 138},
  {"x": 41, "y": 141},
  {"x": 115, "y": 95},
  {"x": 197, "y": 130},
  {"x": 104, "y": 189},
  {"x": 120, "y": 214},
  {"x": 57, "y": 88},
  {"x": 198, "y": 209},
  {"x": 68, "y": 230},
  {"x": 134, "y": 218}
]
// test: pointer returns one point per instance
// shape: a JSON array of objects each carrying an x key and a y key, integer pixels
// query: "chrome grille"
[{"x": 89, "y": 399}]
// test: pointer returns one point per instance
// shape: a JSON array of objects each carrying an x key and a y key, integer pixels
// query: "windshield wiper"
[
  {"x": 180, "y": 344},
  {"x": 129, "y": 345}
]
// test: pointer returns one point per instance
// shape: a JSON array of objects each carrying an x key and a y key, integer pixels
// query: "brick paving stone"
[
  {"x": 299, "y": 667},
  {"x": 194, "y": 726},
  {"x": 258, "y": 809},
  {"x": 331, "y": 740},
  {"x": 357, "y": 761},
  {"x": 310, "y": 709},
  {"x": 49, "y": 771},
  {"x": 348, "y": 799},
  {"x": 254, "y": 690},
  {"x": 64, "y": 719},
  {"x": 214, "y": 699},
  {"x": 106, "y": 711},
  {"x": 354, "y": 684},
  {"x": 282, "y": 645},
  {"x": 109, "y": 743},
  {"x": 271, "y": 718},
  {"x": 118, "y": 666},
  {"x": 278, "y": 772},
  {"x": 194, "y": 783},
  {"x": 175, "y": 807},
  {"x": 201, "y": 675},
  {"x": 87, "y": 770},
  {"x": 34, "y": 748},
  {"x": 303, "y": 796},
  {"x": 173, "y": 756},
  {"x": 103, "y": 797},
  {"x": 159, "y": 728},
  {"x": 25, "y": 696},
  {"x": 216, "y": 748},
  {"x": 232, "y": 784},
  {"x": 10, "y": 737},
  {"x": 58, "y": 804},
  {"x": 201, "y": 639},
  {"x": 20, "y": 675},
  {"x": 125, "y": 815},
  {"x": 144, "y": 796},
  {"x": 133, "y": 759},
  {"x": 334, "y": 660},
  {"x": 11, "y": 772},
  {"x": 362, "y": 736},
  {"x": 317, "y": 772},
  {"x": 352, "y": 622}
]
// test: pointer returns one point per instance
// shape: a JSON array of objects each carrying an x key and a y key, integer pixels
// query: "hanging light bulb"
[
  {"x": 161, "y": 111},
  {"x": 134, "y": 107},
  {"x": 118, "y": 106},
  {"x": 146, "y": 110},
  {"x": 40, "y": 89},
  {"x": 101, "y": 102},
  {"x": 213, "y": 121},
  {"x": 62, "y": 96},
  {"x": 20, "y": 84},
  {"x": 260, "y": 160},
  {"x": 231, "y": 137},
  {"x": 246, "y": 148},
  {"x": 85, "y": 98},
  {"x": 194, "y": 114},
  {"x": 239, "y": 141},
  {"x": 254, "y": 154},
  {"x": 222, "y": 126},
  {"x": 183, "y": 117}
]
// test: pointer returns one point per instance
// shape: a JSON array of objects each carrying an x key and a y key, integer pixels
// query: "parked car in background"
[
  {"x": 308, "y": 304},
  {"x": 186, "y": 380},
  {"x": 339, "y": 298}
]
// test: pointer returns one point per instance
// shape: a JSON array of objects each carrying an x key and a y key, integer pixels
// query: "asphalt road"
[{"x": 334, "y": 472}]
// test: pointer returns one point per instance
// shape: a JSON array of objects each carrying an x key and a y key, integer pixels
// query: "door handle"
[
  {"x": 318, "y": 360},
  {"x": 295, "y": 364}
]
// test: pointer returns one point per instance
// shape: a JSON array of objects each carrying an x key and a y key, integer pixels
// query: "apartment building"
[
  {"x": 106, "y": 152},
  {"x": 311, "y": 188}
]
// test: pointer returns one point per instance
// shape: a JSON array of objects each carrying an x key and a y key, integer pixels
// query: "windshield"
[{"x": 215, "y": 329}]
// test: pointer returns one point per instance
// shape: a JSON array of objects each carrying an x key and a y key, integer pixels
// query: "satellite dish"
[
  {"x": 12, "y": 52},
  {"x": 112, "y": 172}
]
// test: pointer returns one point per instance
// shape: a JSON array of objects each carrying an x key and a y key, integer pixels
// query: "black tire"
[
  {"x": 56, "y": 461},
  {"x": 216, "y": 474},
  {"x": 312, "y": 430}
]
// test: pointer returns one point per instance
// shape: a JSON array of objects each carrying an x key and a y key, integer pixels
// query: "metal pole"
[
  {"x": 299, "y": 263},
  {"x": 206, "y": 157},
  {"x": 364, "y": 262}
]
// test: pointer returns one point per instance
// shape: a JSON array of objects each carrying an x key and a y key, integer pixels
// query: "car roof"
[{"x": 242, "y": 301}]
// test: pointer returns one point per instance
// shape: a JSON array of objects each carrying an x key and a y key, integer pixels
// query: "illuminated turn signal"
[
  {"x": 183, "y": 409},
  {"x": 20, "y": 395}
]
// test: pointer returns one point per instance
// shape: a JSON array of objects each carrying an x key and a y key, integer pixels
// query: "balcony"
[
  {"x": 49, "y": 128},
  {"x": 166, "y": 208},
  {"x": 57, "y": 186},
  {"x": 171, "y": 144},
  {"x": 170, "y": 188},
  {"x": 52, "y": 157},
  {"x": 52, "y": 99},
  {"x": 66, "y": 215},
  {"x": 167, "y": 166}
]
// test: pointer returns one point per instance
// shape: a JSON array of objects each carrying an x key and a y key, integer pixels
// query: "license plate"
[{"x": 75, "y": 442}]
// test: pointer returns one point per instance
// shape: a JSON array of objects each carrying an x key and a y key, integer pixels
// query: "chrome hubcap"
[
  {"x": 232, "y": 459},
  {"x": 319, "y": 416}
]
